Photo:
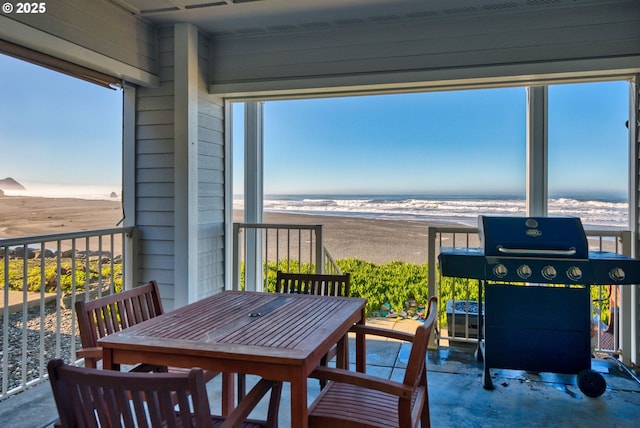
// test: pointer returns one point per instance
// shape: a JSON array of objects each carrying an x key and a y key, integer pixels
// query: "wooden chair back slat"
[
  {"x": 110, "y": 317},
  {"x": 130, "y": 312},
  {"x": 133, "y": 311},
  {"x": 136, "y": 310}
]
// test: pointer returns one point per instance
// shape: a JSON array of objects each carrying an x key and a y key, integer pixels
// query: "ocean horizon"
[
  {"x": 90, "y": 192},
  {"x": 594, "y": 212},
  {"x": 600, "y": 211}
]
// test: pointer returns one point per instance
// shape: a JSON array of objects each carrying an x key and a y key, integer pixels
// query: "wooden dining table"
[{"x": 279, "y": 337}]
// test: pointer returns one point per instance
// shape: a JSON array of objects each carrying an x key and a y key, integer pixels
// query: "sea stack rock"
[{"x": 10, "y": 184}]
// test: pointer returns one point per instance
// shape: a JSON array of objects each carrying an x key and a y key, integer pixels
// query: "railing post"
[
  {"x": 319, "y": 250},
  {"x": 235, "y": 280},
  {"x": 129, "y": 258},
  {"x": 626, "y": 323},
  {"x": 627, "y": 242},
  {"x": 431, "y": 261},
  {"x": 431, "y": 278}
]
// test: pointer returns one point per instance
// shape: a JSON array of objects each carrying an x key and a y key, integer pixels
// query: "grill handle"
[{"x": 537, "y": 251}]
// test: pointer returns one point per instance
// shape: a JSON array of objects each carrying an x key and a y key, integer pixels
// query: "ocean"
[{"x": 594, "y": 213}]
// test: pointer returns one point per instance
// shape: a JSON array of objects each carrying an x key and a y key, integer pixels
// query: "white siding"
[
  {"x": 210, "y": 180},
  {"x": 548, "y": 40},
  {"x": 155, "y": 176}
]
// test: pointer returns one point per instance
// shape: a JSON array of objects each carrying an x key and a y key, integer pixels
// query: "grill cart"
[{"x": 535, "y": 274}]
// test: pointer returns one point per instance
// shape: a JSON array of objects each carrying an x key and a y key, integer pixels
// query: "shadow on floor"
[
  {"x": 455, "y": 391},
  {"x": 457, "y": 398}
]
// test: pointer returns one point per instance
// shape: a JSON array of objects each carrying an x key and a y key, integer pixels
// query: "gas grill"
[{"x": 535, "y": 273}]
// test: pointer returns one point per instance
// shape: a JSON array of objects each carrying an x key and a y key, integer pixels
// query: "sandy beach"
[
  {"x": 377, "y": 241},
  {"x": 373, "y": 240},
  {"x": 31, "y": 216}
]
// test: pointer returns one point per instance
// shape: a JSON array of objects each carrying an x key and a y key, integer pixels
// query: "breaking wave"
[{"x": 463, "y": 210}]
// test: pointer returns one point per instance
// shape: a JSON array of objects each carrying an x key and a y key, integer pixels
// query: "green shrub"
[
  {"x": 60, "y": 278},
  {"x": 394, "y": 282}
]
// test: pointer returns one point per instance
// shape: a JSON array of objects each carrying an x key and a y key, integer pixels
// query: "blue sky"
[
  {"x": 54, "y": 128},
  {"x": 458, "y": 142},
  {"x": 58, "y": 129}
]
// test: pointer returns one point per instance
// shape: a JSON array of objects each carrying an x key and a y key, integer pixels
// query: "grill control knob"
[
  {"x": 524, "y": 271},
  {"x": 500, "y": 270},
  {"x": 549, "y": 272},
  {"x": 617, "y": 274},
  {"x": 574, "y": 273}
]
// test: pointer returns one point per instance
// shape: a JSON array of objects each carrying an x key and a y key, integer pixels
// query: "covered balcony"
[{"x": 182, "y": 64}]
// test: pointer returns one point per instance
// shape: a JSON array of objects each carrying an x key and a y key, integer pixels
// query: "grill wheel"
[{"x": 591, "y": 383}]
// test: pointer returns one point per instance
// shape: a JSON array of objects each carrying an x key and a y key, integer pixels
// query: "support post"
[
  {"x": 186, "y": 163},
  {"x": 253, "y": 192},
  {"x": 128, "y": 196},
  {"x": 631, "y": 337},
  {"x": 537, "y": 153}
]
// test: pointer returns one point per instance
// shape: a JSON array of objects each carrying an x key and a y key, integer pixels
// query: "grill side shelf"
[{"x": 462, "y": 262}]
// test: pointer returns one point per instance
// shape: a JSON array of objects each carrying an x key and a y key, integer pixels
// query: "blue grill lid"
[{"x": 559, "y": 237}]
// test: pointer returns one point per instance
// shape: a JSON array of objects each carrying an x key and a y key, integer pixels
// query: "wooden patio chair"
[
  {"x": 353, "y": 399},
  {"x": 100, "y": 317},
  {"x": 87, "y": 397},
  {"x": 311, "y": 283}
]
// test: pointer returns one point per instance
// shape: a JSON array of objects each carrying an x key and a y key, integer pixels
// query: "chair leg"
[
  {"x": 274, "y": 405},
  {"x": 323, "y": 363},
  {"x": 242, "y": 386}
]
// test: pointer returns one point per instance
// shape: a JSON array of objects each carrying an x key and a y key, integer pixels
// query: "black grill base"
[{"x": 540, "y": 329}]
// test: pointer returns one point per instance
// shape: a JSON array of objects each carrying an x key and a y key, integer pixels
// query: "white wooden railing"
[
  {"x": 256, "y": 245},
  {"x": 38, "y": 322},
  {"x": 618, "y": 241}
]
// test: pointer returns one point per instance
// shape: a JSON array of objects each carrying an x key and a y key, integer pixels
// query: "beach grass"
[{"x": 65, "y": 278}]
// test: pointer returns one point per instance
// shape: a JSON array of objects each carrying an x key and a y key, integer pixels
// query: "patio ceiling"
[
  {"x": 284, "y": 48},
  {"x": 315, "y": 48},
  {"x": 266, "y": 16}
]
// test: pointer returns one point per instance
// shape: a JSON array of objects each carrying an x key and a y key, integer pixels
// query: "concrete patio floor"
[{"x": 456, "y": 396}]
